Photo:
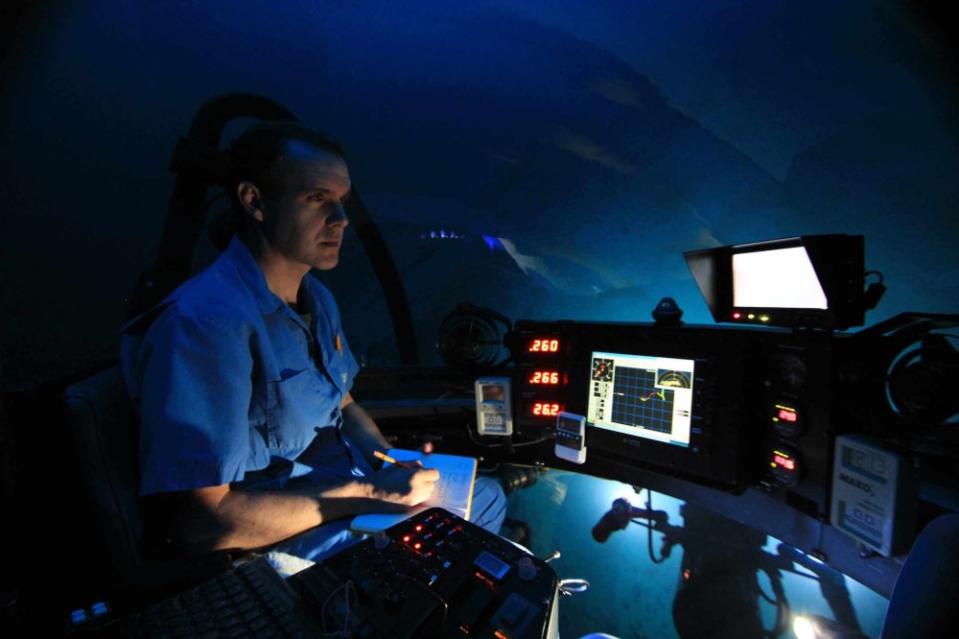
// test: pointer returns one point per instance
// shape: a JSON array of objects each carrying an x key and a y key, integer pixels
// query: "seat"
[
  {"x": 104, "y": 429},
  {"x": 103, "y": 425},
  {"x": 925, "y": 598}
]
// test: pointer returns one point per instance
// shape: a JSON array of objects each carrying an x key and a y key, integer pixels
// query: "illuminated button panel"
[{"x": 435, "y": 575}]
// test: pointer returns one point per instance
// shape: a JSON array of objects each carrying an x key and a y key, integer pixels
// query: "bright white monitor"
[{"x": 779, "y": 278}]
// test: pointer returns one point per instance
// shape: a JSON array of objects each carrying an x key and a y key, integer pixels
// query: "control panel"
[
  {"x": 728, "y": 407},
  {"x": 666, "y": 397},
  {"x": 433, "y": 575}
]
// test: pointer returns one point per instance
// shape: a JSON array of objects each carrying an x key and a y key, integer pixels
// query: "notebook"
[{"x": 454, "y": 490}]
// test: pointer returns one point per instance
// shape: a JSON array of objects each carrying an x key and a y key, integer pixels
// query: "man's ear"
[{"x": 249, "y": 197}]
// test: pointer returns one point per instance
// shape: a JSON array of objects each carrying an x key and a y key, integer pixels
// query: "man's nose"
[{"x": 338, "y": 216}]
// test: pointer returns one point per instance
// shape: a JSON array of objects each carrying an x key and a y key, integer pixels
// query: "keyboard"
[
  {"x": 432, "y": 576},
  {"x": 251, "y": 600}
]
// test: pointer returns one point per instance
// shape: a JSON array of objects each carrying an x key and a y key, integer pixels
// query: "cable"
[
  {"x": 348, "y": 604},
  {"x": 469, "y": 433},
  {"x": 444, "y": 606},
  {"x": 649, "y": 530},
  {"x": 873, "y": 292},
  {"x": 782, "y": 606},
  {"x": 780, "y": 625},
  {"x": 762, "y": 593},
  {"x": 868, "y": 273},
  {"x": 533, "y": 442}
]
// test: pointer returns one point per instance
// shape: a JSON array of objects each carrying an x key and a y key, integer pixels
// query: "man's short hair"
[
  {"x": 254, "y": 154},
  {"x": 253, "y": 157}
]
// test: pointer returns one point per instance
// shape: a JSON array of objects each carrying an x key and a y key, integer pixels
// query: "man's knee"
[
  {"x": 320, "y": 542},
  {"x": 489, "y": 504}
]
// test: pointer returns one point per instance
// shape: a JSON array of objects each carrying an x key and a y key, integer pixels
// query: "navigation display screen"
[{"x": 643, "y": 396}]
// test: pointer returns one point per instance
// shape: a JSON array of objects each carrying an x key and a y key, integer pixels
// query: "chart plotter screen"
[{"x": 643, "y": 396}]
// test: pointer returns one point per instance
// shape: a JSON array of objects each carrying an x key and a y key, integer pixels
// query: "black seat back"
[{"x": 102, "y": 421}]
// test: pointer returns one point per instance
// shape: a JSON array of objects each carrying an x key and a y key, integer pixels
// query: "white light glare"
[
  {"x": 803, "y": 628},
  {"x": 778, "y": 278}
]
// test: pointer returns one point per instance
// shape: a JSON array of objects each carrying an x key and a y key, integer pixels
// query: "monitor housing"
[{"x": 811, "y": 281}]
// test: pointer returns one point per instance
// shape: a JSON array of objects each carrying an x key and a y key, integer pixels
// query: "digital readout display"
[
  {"x": 543, "y": 345},
  {"x": 546, "y": 409},
  {"x": 549, "y": 378}
]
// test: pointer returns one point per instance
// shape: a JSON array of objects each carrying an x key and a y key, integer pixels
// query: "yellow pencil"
[{"x": 387, "y": 458}]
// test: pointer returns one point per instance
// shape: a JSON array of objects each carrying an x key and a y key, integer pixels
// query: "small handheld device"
[
  {"x": 571, "y": 437},
  {"x": 494, "y": 408},
  {"x": 873, "y": 493}
]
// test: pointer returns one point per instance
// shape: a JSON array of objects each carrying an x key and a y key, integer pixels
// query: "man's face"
[{"x": 303, "y": 217}]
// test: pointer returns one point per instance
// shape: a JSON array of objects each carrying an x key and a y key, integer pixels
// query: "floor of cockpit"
[{"x": 718, "y": 578}]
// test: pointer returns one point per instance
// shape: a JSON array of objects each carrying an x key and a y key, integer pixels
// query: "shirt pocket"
[
  {"x": 296, "y": 407},
  {"x": 340, "y": 372}
]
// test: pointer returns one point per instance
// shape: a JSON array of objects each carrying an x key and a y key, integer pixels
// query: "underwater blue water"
[
  {"x": 595, "y": 142},
  {"x": 632, "y": 597}
]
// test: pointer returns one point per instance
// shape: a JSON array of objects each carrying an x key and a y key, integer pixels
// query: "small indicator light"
[
  {"x": 751, "y": 316},
  {"x": 737, "y": 315},
  {"x": 787, "y": 415},
  {"x": 763, "y": 318},
  {"x": 784, "y": 462},
  {"x": 419, "y": 527},
  {"x": 417, "y": 545}
]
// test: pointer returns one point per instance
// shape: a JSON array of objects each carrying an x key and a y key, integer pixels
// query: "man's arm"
[
  {"x": 217, "y": 517},
  {"x": 360, "y": 428}
]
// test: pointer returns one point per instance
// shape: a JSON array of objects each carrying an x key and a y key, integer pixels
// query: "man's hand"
[{"x": 404, "y": 486}]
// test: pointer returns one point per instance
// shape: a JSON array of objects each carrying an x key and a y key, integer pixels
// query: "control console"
[{"x": 433, "y": 575}]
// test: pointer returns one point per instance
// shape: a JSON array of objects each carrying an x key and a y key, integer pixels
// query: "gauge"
[
  {"x": 786, "y": 418},
  {"x": 784, "y": 466}
]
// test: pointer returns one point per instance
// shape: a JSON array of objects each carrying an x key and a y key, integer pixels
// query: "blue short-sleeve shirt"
[{"x": 229, "y": 380}]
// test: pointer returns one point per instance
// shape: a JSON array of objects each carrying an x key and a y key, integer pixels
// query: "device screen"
[
  {"x": 493, "y": 393},
  {"x": 567, "y": 432},
  {"x": 778, "y": 278},
  {"x": 642, "y": 395}
]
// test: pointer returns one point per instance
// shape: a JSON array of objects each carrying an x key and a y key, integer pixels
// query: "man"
[{"x": 249, "y": 434}]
